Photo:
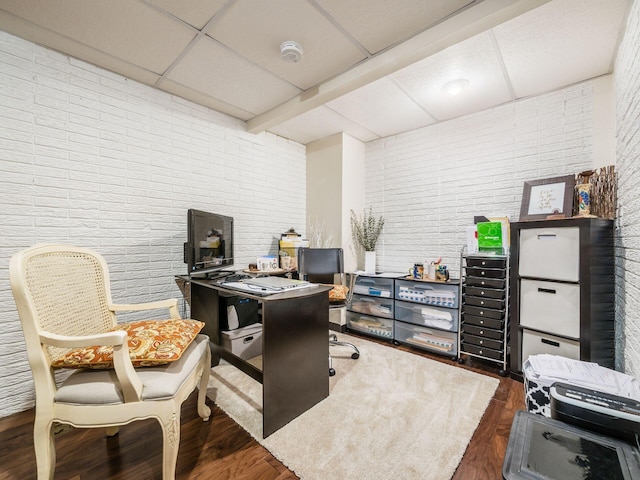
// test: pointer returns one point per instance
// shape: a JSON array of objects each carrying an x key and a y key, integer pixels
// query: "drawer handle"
[
  {"x": 547, "y": 290},
  {"x": 547, "y": 236},
  {"x": 550, "y": 342},
  {"x": 247, "y": 339}
]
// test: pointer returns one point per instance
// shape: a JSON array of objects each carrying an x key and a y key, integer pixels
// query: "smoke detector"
[{"x": 291, "y": 51}]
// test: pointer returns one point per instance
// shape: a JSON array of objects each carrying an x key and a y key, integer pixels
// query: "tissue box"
[{"x": 245, "y": 342}]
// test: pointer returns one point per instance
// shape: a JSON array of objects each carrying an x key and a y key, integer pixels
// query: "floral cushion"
[
  {"x": 338, "y": 293},
  {"x": 151, "y": 343}
]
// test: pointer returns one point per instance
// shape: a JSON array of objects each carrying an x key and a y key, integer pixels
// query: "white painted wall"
[
  {"x": 627, "y": 87},
  {"x": 429, "y": 183},
  {"x": 353, "y": 194},
  {"x": 604, "y": 118},
  {"x": 324, "y": 190},
  {"x": 94, "y": 159},
  {"x": 335, "y": 186}
]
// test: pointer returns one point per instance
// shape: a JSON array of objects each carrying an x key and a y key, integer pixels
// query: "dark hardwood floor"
[{"x": 220, "y": 449}]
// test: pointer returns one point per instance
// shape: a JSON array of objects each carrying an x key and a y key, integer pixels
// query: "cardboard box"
[{"x": 245, "y": 342}]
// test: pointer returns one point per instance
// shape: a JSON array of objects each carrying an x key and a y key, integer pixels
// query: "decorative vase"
[
  {"x": 584, "y": 199},
  {"x": 370, "y": 262}
]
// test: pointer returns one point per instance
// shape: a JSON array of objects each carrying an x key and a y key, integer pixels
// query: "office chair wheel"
[
  {"x": 355, "y": 356},
  {"x": 332, "y": 372}
]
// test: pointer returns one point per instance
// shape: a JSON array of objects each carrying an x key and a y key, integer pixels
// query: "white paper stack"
[{"x": 547, "y": 369}]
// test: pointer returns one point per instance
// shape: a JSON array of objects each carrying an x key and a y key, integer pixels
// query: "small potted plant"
[{"x": 365, "y": 232}]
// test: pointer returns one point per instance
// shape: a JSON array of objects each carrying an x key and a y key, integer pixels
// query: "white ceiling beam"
[{"x": 471, "y": 21}]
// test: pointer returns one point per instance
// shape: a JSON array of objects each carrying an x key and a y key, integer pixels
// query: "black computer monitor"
[{"x": 209, "y": 245}]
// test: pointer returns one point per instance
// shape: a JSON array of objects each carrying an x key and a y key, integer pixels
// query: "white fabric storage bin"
[
  {"x": 534, "y": 343},
  {"x": 551, "y": 307},
  {"x": 552, "y": 253},
  {"x": 245, "y": 342}
]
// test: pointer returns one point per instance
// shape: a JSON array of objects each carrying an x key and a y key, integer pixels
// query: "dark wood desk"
[{"x": 295, "y": 347}]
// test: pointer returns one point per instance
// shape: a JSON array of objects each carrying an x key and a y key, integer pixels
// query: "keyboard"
[{"x": 236, "y": 277}]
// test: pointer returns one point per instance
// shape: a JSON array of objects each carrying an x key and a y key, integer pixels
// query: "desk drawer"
[
  {"x": 551, "y": 307},
  {"x": 439, "y": 294},
  {"x": 426, "y": 338},
  {"x": 428, "y": 316},
  {"x": 379, "y": 307},
  {"x": 380, "y": 327},
  {"x": 376, "y": 287}
]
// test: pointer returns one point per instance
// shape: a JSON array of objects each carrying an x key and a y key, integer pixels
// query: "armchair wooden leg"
[
  {"x": 112, "y": 431},
  {"x": 203, "y": 410},
  {"x": 44, "y": 444},
  {"x": 170, "y": 443}
]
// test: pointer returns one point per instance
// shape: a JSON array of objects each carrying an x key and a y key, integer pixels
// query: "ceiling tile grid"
[{"x": 359, "y": 74}]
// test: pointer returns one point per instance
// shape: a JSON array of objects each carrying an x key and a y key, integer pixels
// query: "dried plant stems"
[
  {"x": 366, "y": 230},
  {"x": 603, "y": 190}
]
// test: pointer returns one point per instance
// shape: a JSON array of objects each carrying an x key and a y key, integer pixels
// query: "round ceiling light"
[
  {"x": 454, "y": 87},
  {"x": 291, "y": 51}
]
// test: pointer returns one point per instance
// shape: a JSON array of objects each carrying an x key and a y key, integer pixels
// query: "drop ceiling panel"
[
  {"x": 195, "y": 12},
  {"x": 256, "y": 28},
  {"x": 217, "y": 72},
  {"x": 377, "y": 24},
  {"x": 130, "y": 31},
  {"x": 561, "y": 43},
  {"x": 476, "y": 60},
  {"x": 204, "y": 99},
  {"x": 348, "y": 45},
  {"x": 319, "y": 123},
  {"x": 60, "y": 43},
  {"x": 382, "y": 108}
]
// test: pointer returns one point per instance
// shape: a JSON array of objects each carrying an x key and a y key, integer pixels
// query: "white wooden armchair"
[{"x": 63, "y": 298}]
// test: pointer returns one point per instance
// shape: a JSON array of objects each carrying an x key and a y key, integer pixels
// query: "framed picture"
[{"x": 547, "y": 196}]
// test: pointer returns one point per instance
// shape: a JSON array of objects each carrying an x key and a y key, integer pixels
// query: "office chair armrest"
[
  {"x": 171, "y": 304},
  {"x": 129, "y": 381}
]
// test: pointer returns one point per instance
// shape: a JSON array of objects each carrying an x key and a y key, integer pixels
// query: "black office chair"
[{"x": 321, "y": 265}]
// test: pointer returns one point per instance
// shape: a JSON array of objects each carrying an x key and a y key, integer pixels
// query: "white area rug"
[{"x": 390, "y": 415}]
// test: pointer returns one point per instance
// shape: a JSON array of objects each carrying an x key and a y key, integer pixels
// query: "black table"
[{"x": 295, "y": 346}]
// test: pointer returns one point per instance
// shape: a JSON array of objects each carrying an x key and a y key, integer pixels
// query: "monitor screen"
[{"x": 209, "y": 245}]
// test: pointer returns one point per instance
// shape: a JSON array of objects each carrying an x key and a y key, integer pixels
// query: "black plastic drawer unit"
[{"x": 484, "y": 308}]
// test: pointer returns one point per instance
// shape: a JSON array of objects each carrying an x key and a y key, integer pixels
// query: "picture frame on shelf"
[{"x": 547, "y": 196}]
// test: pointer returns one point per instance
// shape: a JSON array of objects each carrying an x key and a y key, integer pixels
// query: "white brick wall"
[
  {"x": 627, "y": 86},
  {"x": 475, "y": 165},
  {"x": 91, "y": 158}
]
